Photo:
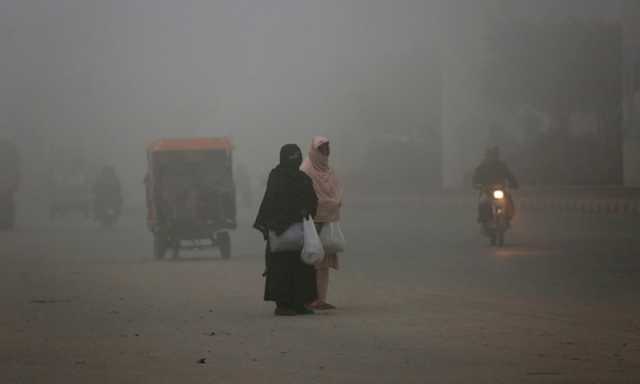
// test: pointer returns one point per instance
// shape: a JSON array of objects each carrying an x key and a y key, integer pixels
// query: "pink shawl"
[{"x": 325, "y": 182}]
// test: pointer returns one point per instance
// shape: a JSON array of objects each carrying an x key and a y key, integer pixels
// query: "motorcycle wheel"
[
  {"x": 500, "y": 238},
  {"x": 501, "y": 229}
]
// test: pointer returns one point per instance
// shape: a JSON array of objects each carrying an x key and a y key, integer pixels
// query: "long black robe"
[{"x": 289, "y": 197}]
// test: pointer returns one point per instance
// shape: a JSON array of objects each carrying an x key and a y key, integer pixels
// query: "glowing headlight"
[{"x": 498, "y": 194}]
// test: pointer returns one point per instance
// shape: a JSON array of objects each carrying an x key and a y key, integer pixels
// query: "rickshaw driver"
[{"x": 215, "y": 190}]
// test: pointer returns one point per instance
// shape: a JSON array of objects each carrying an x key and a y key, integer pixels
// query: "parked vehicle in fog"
[{"x": 191, "y": 198}]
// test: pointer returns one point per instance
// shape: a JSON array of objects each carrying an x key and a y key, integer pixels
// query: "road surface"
[{"x": 421, "y": 298}]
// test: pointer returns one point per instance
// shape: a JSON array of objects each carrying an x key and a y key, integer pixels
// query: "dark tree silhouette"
[{"x": 561, "y": 69}]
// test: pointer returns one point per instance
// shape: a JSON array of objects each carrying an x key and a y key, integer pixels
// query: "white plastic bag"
[
  {"x": 332, "y": 238},
  {"x": 312, "y": 252},
  {"x": 291, "y": 240}
]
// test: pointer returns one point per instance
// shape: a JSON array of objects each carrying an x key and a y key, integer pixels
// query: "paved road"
[{"x": 421, "y": 299}]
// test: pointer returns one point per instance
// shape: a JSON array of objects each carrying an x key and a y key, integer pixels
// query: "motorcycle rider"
[
  {"x": 490, "y": 173},
  {"x": 107, "y": 191}
]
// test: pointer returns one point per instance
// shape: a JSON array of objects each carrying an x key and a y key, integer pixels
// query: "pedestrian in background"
[{"x": 329, "y": 192}]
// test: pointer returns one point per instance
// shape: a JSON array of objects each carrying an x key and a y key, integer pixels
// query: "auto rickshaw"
[{"x": 191, "y": 199}]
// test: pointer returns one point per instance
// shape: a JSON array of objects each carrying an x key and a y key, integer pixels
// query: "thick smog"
[{"x": 283, "y": 191}]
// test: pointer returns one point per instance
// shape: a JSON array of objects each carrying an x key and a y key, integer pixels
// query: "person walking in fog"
[
  {"x": 289, "y": 197},
  {"x": 329, "y": 192},
  {"x": 107, "y": 190}
]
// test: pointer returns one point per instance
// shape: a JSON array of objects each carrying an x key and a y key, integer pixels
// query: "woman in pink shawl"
[{"x": 329, "y": 192}]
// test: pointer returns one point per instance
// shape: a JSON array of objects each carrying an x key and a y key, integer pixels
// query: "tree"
[{"x": 561, "y": 69}]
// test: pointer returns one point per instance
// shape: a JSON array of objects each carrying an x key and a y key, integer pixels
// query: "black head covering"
[
  {"x": 289, "y": 195},
  {"x": 290, "y": 157}
]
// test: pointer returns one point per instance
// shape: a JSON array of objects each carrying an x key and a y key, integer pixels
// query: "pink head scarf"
[{"x": 325, "y": 182}]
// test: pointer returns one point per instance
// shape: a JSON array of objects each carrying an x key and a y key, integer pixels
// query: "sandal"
[{"x": 322, "y": 306}]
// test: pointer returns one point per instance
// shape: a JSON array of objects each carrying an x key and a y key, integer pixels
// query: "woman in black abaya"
[{"x": 288, "y": 199}]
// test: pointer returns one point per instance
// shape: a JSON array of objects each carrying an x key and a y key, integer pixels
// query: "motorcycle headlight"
[{"x": 498, "y": 194}]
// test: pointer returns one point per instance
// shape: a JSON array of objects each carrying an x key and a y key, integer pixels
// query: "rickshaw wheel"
[
  {"x": 159, "y": 246},
  {"x": 224, "y": 242}
]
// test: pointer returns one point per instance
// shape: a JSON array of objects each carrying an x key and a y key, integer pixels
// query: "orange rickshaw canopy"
[{"x": 197, "y": 144}]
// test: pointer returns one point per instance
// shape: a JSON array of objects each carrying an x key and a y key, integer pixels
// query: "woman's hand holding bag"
[{"x": 312, "y": 251}]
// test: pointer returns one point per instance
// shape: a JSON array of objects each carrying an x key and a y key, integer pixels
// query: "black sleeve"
[{"x": 265, "y": 212}]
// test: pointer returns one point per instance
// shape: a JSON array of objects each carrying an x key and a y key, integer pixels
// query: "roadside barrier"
[
  {"x": 594, "y": 201},
  {"x": 589, "y": 201}
]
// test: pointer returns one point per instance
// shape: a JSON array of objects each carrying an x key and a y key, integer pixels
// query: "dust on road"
[{"x": 421, "y": 299}]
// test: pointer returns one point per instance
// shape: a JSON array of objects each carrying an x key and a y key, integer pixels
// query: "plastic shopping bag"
[
  {"x": 312, "y": 251},
  {"x": 291, "y": 240},
  {"x": 332, "y": 238}
]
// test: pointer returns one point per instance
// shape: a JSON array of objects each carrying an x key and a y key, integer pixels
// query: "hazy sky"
[
  {"x": 123, "y": 72},
  {"x": 111, "y": 75}
]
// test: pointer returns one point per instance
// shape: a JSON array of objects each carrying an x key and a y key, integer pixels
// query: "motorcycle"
[{"x": 494, "y": 214}]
